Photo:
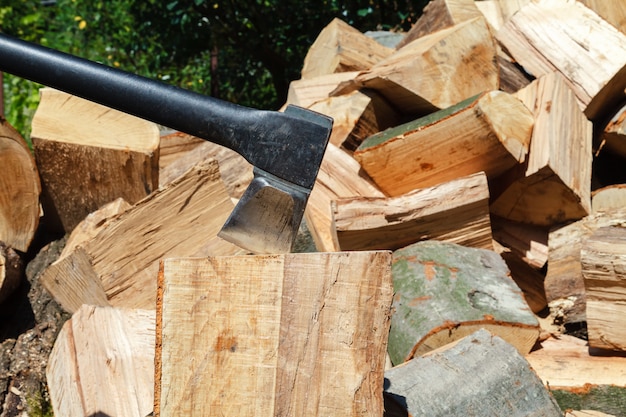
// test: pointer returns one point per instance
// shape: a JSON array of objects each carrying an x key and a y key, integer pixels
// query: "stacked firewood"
[{"x": 468, "y": 214}]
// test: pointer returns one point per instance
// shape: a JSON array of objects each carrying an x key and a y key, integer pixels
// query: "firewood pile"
[{"x": 466, "y": 250}]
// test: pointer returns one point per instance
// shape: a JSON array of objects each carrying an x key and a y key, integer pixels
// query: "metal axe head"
[{"x": 287, "y": 158}]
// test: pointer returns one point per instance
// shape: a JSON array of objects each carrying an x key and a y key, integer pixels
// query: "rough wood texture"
[
  {"x": 89, "y": 155},
  {"x": 547, "y": 35},
  {"x": 603, "y": 261},
  {"x": 613, "y": 12},
  {"x": 456, "y": 211},
  {"x": 565, "y": 289},
  {"x": 19, "y": 190},
  {"x": 528, "y": 243},
  {"x": 102, "y": 363},
  {"x": 444, "y": 292},
  {"x": 453, "y": 64},
  {"x": 614, "y": 135},
  {"x": 339, "y": 176},
  {"x": 556, "y": 186},
  {"x": 341, "y": 48},
  {"x": 182, "y": 219},
  {"x": 611, "y": 197},
  {"x": 490, "y": 132},
  {"x": 288, "y": 335},
  {"x": 306, "y": 91},
  {"x": 481, "y": 375}
]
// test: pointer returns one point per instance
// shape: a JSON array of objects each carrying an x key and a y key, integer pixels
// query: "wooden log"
[
  {"x": 284, "y": 333},
  {"x": 564, "y": 284},
  {"x": 614, "y": 134},
  {"x": 102, "y": 363},
  {"x": 454, "y": 64},
  {"x": 11, "y": 271},
  {"x": 19, "y": 190},
  {"x": 556, "y": 186},
  {"x": 444, "y": 292},
  {"x": 612, "y": 197},
  {"x": 305, "y": 92},
  {"x": 172, "y": 146},
  {"x": 438, "y": 15},
  {"x": 89, "y": 155},
  {"x": 181, "y": 219},
  {"x": 341, "y": 48},
  {"x": 613, "y": 12},
  {"x": 481, "y": 375},
  {"x": 339, "y": 176},
  {"x": 356, "y": 116},
  {"x": 603, "y": 263},
  {"x": 591, "y": 57},
  {"x": 456, "y": 211},
  {"x": 528, "y": 243},
  {"x": 490, "y": 132}
]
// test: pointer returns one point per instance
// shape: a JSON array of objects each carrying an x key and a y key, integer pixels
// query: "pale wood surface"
[
  {"x": 339, "y": 176},
  {"x": 490, "y": 132},
  {"x": 172, "y": 146},
  {"x": 613, "y": 12},
  {"x": 273, "y": 335},
  {"x": 341, "y": 48},
  {"x": 456, "y": 211},
  {"x": 182, "y": 219},
  {"x": 444, "y": 292},
  {"x": 19, "y": 190},
  {"x": 89, "y": 155},
  {"x": 481, "y": 375},
  {"x": 306, "y": 91},
  {"x": 611, "y": 197},
  {"x": 603, "y": 262},
  {"x": 102, "y": 363},
  {"x": 527, "y": 242},
  {"x": 556, "y": 186},
  {"x": 547, "y": 35}
]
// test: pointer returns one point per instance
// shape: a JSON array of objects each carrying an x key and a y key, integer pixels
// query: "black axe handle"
[{"x": 290, "y": 146}]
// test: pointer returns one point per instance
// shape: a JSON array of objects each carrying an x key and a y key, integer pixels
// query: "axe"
[{"x": 286, "y": 148}]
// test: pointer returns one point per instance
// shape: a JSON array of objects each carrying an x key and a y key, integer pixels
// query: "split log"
[
  {"x": 614, "y": 135},
  {"x": 528, "y": 279},
  {"x": 172, "y": 146},
  {"x": 529, "y": 243},
  {"x": 356, "y": 116},
  {"x": 490, "y": 132},
  {"x": 339, "y": 176},
  {"x": 564, "y": 284},
  {"x": 453, "y": 64},
  {"x": 88, "y": 155},
  {"x": 592, "y": 57},
  {"x": 388, "y": 38},
  {"x": 305, "y": 92},
  {"x": 19, "y": 190},
  {"x": 613, "y": 12},
  {"x": 556, "y": 186},
  {"x": 603, "y": 262},
  {"x": 612, "y": 197},
  {"x": 341, "y": 48},
  {"x": 102, "y": 364},
  {"x": 181, "y": 219},
  {"x": 456, "y": 211},
  {"x": 444, "y": 292},
  {"x": 284, "y": 333},
  {"x": 480, "y": 375},
  {"x": 438, "y": 15},
  {"x": 11, "y": 271}
]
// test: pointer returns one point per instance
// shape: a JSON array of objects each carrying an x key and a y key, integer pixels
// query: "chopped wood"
[
  {"x": 307, "y": 91},
  {"x": 339, "y": 176},
  {"x": 456, "y": 211},
  {"x": 444, "y": 292},
  {"x": 341, "y": 48},
  {"x": 172, "y": 146},
  {"x": 285, "y": 333},
  {"x": 527, "y": 242},
  {"x": 480, "y": 375},
  {"x": 565, "y": 288},
  {"x": 19, "y": 190},
  {"x": 453, "y": 64},
  {"x": 614, "y": 134},
  {"x": 181, "y": 219},
  {"x": 11, "y": 271},
  {"x": 611, "y": 197},
  {"x": 88, "y": 155},
  {"x": 613, "y": 12},
  {"x": 547, "y": 36},
  {"x": 556, "y": 186},
  {"x": 490, "y": 132},
  {"x": 102, "y": 363},
  {"x": 603, "y": 261}
]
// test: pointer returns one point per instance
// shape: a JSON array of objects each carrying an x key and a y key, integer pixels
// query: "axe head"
[{"x": 267, "y": 217}]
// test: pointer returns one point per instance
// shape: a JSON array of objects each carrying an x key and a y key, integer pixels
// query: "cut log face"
[
  {"x": 456, "y": 211},
  {"x": 341, "y": 48},
  {"x": 603, "y": 261},
  {"x": 490, "y": 133},
  {"x": 591, "y": 57},
  {"x": 183, "y": 218},
  {"x": 102, "y": 363},
  {"x": 444, "y": 292},
  {"x": 19, "y": 190},
  {"x": 481, "y": 375},
  {"x": 88, "y": 155},
  {"x": 293, "y": 334}
]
